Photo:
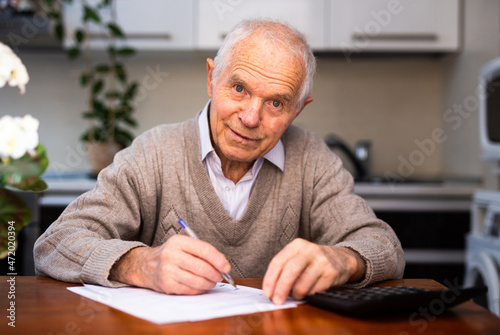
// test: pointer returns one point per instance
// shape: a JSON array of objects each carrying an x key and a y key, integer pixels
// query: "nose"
[{"x": 250, "y": 115}]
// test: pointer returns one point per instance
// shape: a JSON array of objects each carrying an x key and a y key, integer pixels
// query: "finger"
[
  {"x": 308, "y": 280},
  {"x": 186, "y": 290},
  {"x": 273, "y": 272},
  {"x": 276, "y": 267},
  {"x": 283, "y": 270},
  {"x": 292, "y": 270},
  {"x": 182, "y": 268},
  {"x": 206, "y": 252},
  {"x": 177, "y": 285},
  {"x": 321, "y": 284},
  {"x": 311, "y": 281},
  {"x": 327, "y": 269},
  {"x": 199, "y": 267},
  {"x": 195, "y": 282}
]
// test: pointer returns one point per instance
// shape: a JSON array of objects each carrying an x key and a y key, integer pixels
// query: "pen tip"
[{"x": 231, "y": 281}]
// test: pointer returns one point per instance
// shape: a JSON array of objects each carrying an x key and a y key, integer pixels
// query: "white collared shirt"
[{"x": 234, "y": 197}]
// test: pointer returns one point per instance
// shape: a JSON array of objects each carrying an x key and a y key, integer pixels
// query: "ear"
[
  {"x": 210, "y": 69},
  {"x": 306, "y": 102}
]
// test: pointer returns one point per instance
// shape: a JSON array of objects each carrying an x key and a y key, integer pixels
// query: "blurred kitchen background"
[{"x": 391, "y": 97}]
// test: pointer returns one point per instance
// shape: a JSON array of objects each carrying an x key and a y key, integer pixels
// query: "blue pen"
[{"x": 191, "y": 233}]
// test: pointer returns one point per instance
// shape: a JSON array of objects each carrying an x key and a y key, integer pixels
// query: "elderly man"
[{"x": 267, "y": 199}]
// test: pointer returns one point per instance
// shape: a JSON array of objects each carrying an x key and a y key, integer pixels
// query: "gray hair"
[{"x": 276, "y": 33}]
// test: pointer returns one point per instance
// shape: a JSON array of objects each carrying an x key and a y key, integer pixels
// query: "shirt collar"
[{"x": 276, "y": 155}]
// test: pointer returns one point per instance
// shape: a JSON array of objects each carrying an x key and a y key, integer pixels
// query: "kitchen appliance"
[
  {"x": 489, "y": 110},
  {"x": 483, "y": 247},
  {"x": 359, "y": 158},
  {"x": 483, "y": 241}
]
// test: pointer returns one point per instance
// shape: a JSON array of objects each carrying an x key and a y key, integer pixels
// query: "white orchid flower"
[
  {"x": 12, "y": 70},
  {"x": 18, "y": 136}
]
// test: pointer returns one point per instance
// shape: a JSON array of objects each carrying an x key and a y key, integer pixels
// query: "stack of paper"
[{"x": 221, "y": 301}]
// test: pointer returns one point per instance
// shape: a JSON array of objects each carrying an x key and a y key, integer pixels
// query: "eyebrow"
[{"x": 236, "y": 79}]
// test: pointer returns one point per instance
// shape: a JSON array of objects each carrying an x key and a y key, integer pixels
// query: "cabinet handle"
[
  {"x": 396, "y": 37},
  {"x": 165, "y": 36}
]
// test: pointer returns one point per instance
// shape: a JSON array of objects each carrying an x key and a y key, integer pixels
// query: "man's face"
[{"x": 253, "y": 101}]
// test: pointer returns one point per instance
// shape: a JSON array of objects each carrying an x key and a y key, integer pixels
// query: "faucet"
[{"x": 360, "y": 158}]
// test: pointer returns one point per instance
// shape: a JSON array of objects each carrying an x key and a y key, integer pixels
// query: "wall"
[
  {"x": 461, "y": 151},
  {"x": 391, "y": 101}
]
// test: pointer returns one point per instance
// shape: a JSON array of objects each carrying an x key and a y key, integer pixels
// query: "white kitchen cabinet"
[
  {"x": 217, "y": 17},
  {"x": 150, "y": 25},
  {"x": 394, "y": 25},
  {"x": 348, "y": 26}
]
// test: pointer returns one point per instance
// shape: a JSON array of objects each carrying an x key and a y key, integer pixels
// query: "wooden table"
[{"x": 45, "y": 306}]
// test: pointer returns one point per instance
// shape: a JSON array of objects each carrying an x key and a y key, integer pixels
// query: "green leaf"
[
  {"x": 98, "y": 85},
  {"x": 99, "y": 107},
  {"x": 100, "y": 135},
  {"x": 73, "y": 52},
  {"x": 115, "y": 30},
  {"x": 89, "y": 14},
  {"x": 126, "y": 51},
  {"x": 89, "y": 115},
  {"x": 121, "y": 74},
  {"x": 85, "y": 136},
  {"x": 102, "y": 68},
  {"x": 12, "y": 209},
  {"x": 131, "y": 91},
  {"x": 79, "y": 36},
  {"x": 130, "y": 121},
  {"x": 24, "y": 173},
  {"x": 59, "y": 31},
  {"x": 123, "y": 137},
  {"x": 37, "y": 186},
  {"x": 85, "y": 79}
]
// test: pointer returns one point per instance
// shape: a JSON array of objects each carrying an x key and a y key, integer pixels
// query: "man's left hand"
[{"x": 304, "y": 268}]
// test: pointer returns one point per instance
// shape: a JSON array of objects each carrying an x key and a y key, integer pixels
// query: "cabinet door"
[
  {"x": 217, "y": 18},
  {"x": 394, "y": 25},
  {"x": 151, "y": 24}
]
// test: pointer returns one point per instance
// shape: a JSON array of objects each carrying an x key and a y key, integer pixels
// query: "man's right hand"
[{"x": 182, "y": 265}]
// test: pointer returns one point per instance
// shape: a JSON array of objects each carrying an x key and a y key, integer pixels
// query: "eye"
[
  {"x": 276, "y": 103},
  {"x": 238, "y": 88}
]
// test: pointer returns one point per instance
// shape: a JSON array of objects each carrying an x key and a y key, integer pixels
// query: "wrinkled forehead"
[{"x": 269, "y": 57}]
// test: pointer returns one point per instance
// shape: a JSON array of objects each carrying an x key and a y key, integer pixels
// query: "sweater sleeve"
[
  {"x": 97, "y": 228},
  {"x": 338, "y": 217}
]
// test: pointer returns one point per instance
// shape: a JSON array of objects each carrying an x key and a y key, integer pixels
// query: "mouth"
[{"x": 243, "y": 137}]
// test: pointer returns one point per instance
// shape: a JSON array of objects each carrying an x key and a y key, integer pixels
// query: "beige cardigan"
[{"x": 160, "y": 178}]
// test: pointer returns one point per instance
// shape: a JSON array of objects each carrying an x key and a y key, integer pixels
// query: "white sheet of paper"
[{"x": 221, "y": 301}]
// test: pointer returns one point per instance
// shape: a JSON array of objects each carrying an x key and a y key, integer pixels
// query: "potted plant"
[
  {"x": 109, "y": 92},
  {"x": 22, "y": 160}
]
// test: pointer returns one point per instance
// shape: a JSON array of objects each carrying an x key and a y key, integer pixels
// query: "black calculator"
[{"x": 389, "y": 300}]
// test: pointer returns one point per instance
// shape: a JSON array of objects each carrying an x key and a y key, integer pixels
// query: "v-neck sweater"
[{"x": 160, "y": 178}]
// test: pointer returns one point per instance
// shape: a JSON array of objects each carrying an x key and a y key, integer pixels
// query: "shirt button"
[{"x": 228, "y": 188}]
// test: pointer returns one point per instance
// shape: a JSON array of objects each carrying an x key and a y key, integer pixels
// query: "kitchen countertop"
[
  {"x": 454, "y": 195},
  {"x": 418, "y": 196}
]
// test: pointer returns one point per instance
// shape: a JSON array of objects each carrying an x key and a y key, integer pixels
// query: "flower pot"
[{"x": 100, "y": 155}]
